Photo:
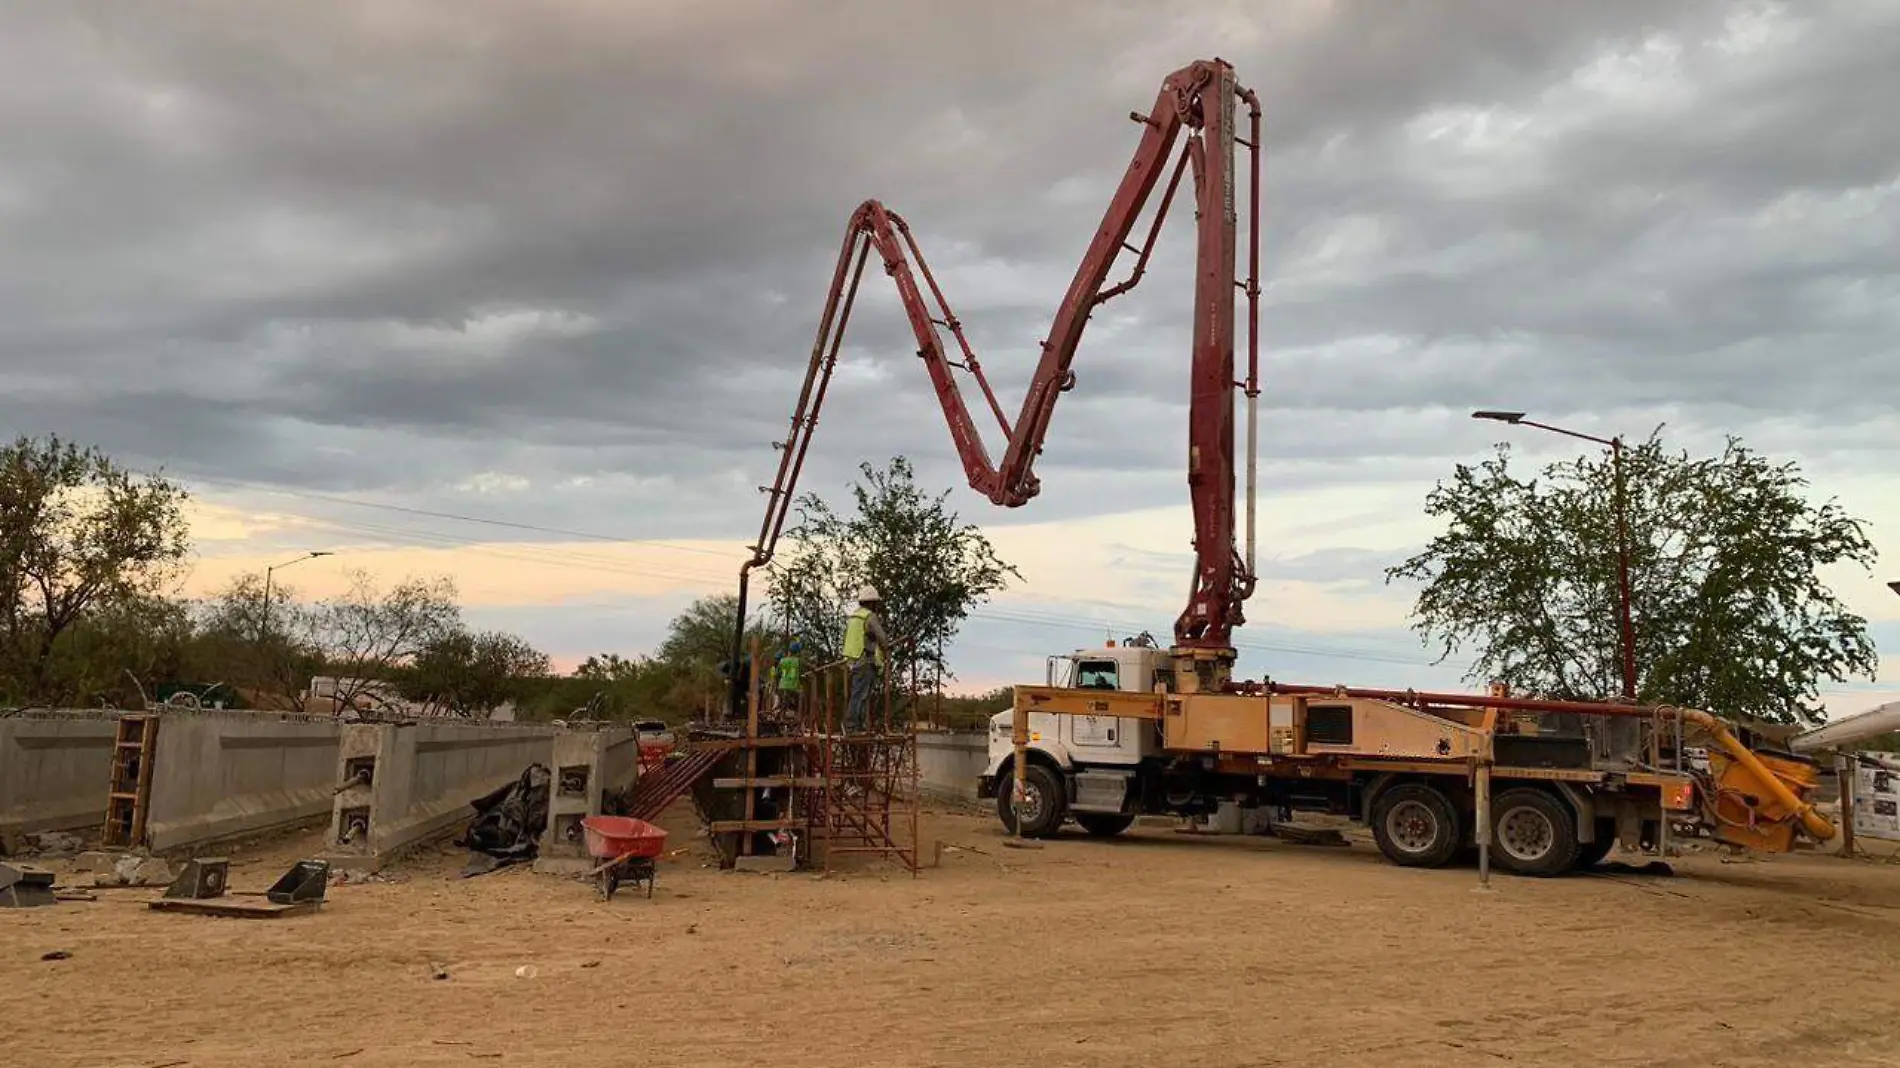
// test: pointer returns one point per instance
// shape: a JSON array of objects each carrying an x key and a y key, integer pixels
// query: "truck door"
[{"x": 1101, "y": 739}]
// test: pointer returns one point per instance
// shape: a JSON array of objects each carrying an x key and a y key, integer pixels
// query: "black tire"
[
  {"x": 1415, "y": 825},
  {"x": 1533, "y": 833},
  {"x": 1591, "y": 854},
  {"x": 1048, "y": 802},
  {"x": 1104, "y": 824}
]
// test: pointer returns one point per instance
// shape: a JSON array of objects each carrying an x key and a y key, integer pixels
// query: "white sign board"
[{"x": 1877, "y": 795}]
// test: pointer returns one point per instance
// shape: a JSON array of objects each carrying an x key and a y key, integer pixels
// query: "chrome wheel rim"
[{"x": 1028, "y": 804}]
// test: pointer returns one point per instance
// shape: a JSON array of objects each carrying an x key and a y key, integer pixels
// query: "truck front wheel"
[
  {"x": 1043, "y": 803},
  {"x": 1534, "y": 833},
  {"x": 1415, "y": 825},
  {"x": 1104, "y": 824}
]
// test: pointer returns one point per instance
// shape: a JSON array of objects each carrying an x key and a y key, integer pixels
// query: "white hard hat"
[{"x": 869, "y": 594}]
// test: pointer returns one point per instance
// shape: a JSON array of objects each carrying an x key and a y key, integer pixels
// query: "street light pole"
[
  {"x": 263, "y": 626},
  {"x": 1620, "y": 503}
]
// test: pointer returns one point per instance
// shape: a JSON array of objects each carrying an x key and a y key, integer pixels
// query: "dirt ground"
[{"x": 1155, "y": 949}]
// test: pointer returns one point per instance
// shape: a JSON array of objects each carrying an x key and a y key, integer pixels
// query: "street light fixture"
[
  {"x": 1621, "y": 503},
  {"x": 263, "y": 629}
]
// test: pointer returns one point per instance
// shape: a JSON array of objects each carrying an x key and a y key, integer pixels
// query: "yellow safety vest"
[{"x": 854, "y": 637}]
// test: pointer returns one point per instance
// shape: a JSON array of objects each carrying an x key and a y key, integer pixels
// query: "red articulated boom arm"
[{"x": 1200, "y": 99}]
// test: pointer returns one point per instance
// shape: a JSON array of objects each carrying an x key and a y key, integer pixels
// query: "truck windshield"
[{"x": 1096, "y": 675}]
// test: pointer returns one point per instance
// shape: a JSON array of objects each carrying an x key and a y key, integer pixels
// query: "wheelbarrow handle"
[{"x": 616, "y": 862}]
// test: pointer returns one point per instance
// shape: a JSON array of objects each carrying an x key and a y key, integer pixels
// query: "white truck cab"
[
  {"x": 1100, "y": 752},
  {"x": 1092, "y": 739}
]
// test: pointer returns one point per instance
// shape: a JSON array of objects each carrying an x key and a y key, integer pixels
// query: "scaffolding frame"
[{"x": 845, "y": 791}]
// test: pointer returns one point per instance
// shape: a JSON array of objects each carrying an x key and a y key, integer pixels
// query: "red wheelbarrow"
[{"x": 626, "y": 849}]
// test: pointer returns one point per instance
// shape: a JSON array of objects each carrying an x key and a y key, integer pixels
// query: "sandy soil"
[{"x": 1156, "y": 949}]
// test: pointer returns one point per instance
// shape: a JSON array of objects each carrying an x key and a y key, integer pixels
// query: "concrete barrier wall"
[
  {"x": 588, "y": 766},
  {"x": 216, "y": 776},
  {"x": 400, "y": 784},
  {"x": 53, "y": 771},
  {"x": 948, "y": 764}
]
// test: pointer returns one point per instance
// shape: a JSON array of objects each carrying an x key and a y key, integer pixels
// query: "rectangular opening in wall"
[
  {"x": 573, "y": 780},
  {"x": 359, "y": 771},
  {"x": 567, "y": 832},
  {"x": 352, "y": 827}
]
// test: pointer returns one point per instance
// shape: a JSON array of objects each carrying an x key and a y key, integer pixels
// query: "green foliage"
[
  {"x": 965, "y": 712},
  {"x": 77, "y": 532},
  {"x": 1885, "y": 743},
  {"x": 1730, "y": 611},
  {"x": 698, "y": 643},
  {"x": 466, "y": 673},
  {"x": 611, "y": 687},
  {"x": 931, "y": 569},
  {"x": 123, "y": 650},
  {"x": 271, "y": 653}
]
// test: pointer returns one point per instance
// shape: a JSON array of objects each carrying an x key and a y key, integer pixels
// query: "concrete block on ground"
[
  {"x": 221, "y": 775},
  {"x": 588, "y": 766},
  {"x": 54, "y": 766},
  {"x": 125, "y": 869},
  {"x": 397, "y": 785}
]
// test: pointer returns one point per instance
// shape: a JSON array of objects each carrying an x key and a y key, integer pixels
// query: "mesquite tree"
[{"x": 1731, "y": 613}]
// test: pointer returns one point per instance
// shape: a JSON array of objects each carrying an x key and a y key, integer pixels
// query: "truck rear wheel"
[
  {"x": 1534, "y": 833},
  {"x": 1415, "y": 824},
  {"x": 1104, "y": 824},
  {"x": 1043, "y": 806}
]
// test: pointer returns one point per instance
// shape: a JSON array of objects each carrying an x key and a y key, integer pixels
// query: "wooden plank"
[
  {"x": 141, "y": 804},
  {"x": 801, "y": 781},
  {"x": 719, "y": 826},
  {"x": 247, "y": 910},
  {"x": 768, "y": 742}
]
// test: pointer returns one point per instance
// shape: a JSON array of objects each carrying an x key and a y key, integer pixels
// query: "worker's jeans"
[{"x": 863, "y": 685}]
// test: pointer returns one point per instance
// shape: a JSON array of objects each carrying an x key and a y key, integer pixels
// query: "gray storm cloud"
[{"x": 382, "y": 248}]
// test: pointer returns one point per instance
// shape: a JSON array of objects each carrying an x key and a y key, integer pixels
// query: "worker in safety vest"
[
  {"x": 864, "y": 633},
  {"x": 790, "y": 669}
]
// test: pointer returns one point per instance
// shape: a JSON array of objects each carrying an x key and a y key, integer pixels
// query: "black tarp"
[{"x": 508, "y": 823}]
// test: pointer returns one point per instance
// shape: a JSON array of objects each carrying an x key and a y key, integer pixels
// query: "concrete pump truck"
[{"x": 1130, "y": 729}]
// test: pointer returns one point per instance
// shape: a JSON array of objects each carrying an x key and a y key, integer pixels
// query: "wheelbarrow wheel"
[{"x": 608, "y": 881}]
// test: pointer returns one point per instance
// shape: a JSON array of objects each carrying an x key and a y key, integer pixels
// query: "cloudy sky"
[{"x": 351, "y": 270}]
